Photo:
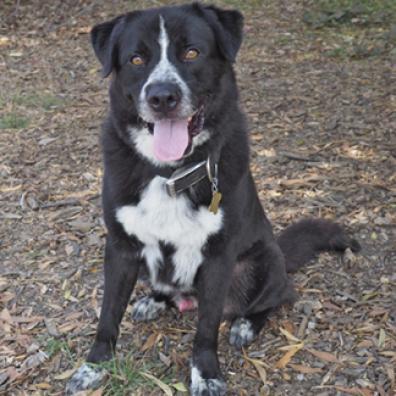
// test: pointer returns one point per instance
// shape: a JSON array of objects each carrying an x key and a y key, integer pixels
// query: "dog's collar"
[{"x": 189, "y": 175}]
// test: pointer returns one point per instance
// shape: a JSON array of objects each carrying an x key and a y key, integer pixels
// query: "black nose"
[{"x": 163, "y": 97}]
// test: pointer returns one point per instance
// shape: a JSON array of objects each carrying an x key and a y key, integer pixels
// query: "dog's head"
[{"x": 167, "y": 64}]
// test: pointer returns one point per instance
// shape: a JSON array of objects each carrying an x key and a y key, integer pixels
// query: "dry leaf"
[
  {"x": 26, "y": 319},
  {"x": 151, "y": 341},
  {"x": 165, "y": 359},
  {"x": 3, "y": 284},
  {"x": 97, "y": 392},
  {"x": 83, "y": 30},
  {"x": 51, "y": 328},
  {"x": 350, "y": 391},
  {"x": 12, "y": 374},
  {"x": 259, "y": 366},
  {"x": 289, "y": 347},
  {"x": 288, "y": 335},
  {"x": 305, "y": 369},
  {"x": 166, "y": 388},
  {"x": 34, "y": 360},
  {"x": 390, "y": 371},
  {"x": 180, "y": 387},
  {"x": 65, "y": 375},
  {"x": 43, "y": 385},
  {"x": 4, "y": 40},
  {"x": 6, "y": 316},
  {"x": 289, "y": 326},
  {"x": 67, "y": 294},
  {"x": 284, "y": 360},
  {"x": 67, "y": 327},
  {"x": 326, "y": 356},
  {"x": 381, "y": 338}
]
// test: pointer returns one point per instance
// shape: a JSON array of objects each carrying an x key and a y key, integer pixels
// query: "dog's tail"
[{"x": 302, "y": 241}]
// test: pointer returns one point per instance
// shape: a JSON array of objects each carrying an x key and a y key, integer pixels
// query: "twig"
[
  {"x": 67, "y": 202},
  {"x": 14, "y": 13},
  {"x": 302, "y": 327},
  {"x": 298, "y": 157},
  {"x": 56, "y": 204}
]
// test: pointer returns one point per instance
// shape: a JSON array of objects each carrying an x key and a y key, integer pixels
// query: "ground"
[{"x": 317, "y": 85}]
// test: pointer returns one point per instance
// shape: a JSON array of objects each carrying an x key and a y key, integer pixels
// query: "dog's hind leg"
[
  {"x": 259, "y": 286},
  {"x": 150, "y": 307},
  {"x": 244, "y": 330}
]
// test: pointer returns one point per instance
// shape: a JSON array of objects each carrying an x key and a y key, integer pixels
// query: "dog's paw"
[
  {"x": 241, "y": 333},
  {"x": 86, "y": 377},
  {"x": 206, "y": 387},
  {"x": 147, "y": 309}
]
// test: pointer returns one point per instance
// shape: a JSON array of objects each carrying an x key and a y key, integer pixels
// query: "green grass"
[
  {"x": 353, "y": 29},
  {"x": 20, "y": 103},
  {"x": 284, "y": 40},
  {"x": 55, "y": 346},
  {"x": 321, "y": 13},
  {"x": 240, "y": 4},
  {"x": 126, "y": 376},
  {"x": 339, "y": 52},
  {"x": 44, "y": 101},
  {"x": 13, "y": 120}
]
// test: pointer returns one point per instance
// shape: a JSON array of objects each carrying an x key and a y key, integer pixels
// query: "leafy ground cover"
[{"x": 318, "y": 84}]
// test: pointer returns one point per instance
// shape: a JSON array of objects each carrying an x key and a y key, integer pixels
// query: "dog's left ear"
[
  {"x": 227, "y": 26},
  {"x": 104, "y": 41}
]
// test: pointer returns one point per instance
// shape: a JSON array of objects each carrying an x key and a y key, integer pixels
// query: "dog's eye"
[
  {"x": 191, "y": 55},
  {"x": 137, "y": 60}
]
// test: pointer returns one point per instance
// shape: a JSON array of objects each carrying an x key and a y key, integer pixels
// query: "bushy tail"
[{"x": 302, "y": 241}]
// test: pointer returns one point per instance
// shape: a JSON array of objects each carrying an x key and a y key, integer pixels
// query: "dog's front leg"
[
  {"x": 121, "y": 269},
  {"x": 213, "y": 281}
]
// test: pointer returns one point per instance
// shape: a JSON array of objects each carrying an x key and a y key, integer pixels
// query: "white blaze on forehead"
[{"x": 165, "y": 71}]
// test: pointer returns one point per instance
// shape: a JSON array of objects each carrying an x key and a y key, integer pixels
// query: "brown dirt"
[{"x": 323, "y": 144}]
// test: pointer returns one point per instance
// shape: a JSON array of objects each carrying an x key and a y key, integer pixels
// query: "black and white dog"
[{"x": 178, "y": 196}]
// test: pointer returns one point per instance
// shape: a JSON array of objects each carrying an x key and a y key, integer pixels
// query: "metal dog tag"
[
  {"x": 215, "y": 203},
  {"x": 216, "y": 194}
]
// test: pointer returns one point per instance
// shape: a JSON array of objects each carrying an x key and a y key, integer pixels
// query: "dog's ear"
[
  {"x": 104, "y": 41},
  {"x": 227, "y": 26}
]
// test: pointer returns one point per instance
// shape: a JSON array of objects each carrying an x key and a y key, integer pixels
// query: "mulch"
[{"x": 323, "y": 144}]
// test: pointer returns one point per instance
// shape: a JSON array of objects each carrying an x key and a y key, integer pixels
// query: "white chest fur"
[{"x": 159, "y": 217}]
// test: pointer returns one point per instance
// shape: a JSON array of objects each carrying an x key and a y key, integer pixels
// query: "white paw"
[
  {"x": 86, "y": 377},
  {"x": 147, "y": 309},
  {"x": 206, "y": 387},
  {"x": 241, "y": 333}
]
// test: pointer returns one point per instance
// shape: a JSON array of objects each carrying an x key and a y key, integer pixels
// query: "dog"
[{"x": 179, "y": 199}]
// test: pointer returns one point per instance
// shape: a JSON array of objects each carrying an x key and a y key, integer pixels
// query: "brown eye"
[
  {"x": 191, "y": 55},
  {"x": 137, "y": 60}
]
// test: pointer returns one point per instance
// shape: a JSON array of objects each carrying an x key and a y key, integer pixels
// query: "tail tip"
[
  {"x": 355, "y": 246},
  {"x": 340, "y": 242}
]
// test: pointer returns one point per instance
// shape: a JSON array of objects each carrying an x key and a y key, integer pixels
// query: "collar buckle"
[{"x": 186, "y": 177}]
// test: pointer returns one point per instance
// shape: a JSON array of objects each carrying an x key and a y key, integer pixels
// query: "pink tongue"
[{"x": 170, "y": 139}]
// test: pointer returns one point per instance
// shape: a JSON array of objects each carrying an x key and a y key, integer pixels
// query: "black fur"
[
  {"x": 301, "y": 242},
  {"x": 244, "y": 272}
]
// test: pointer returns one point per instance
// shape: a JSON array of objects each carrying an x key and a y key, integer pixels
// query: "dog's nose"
[{"x": 163, "y": 97}]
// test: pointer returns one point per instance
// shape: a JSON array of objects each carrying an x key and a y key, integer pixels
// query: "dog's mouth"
[{"x": 173, "y": 137}]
